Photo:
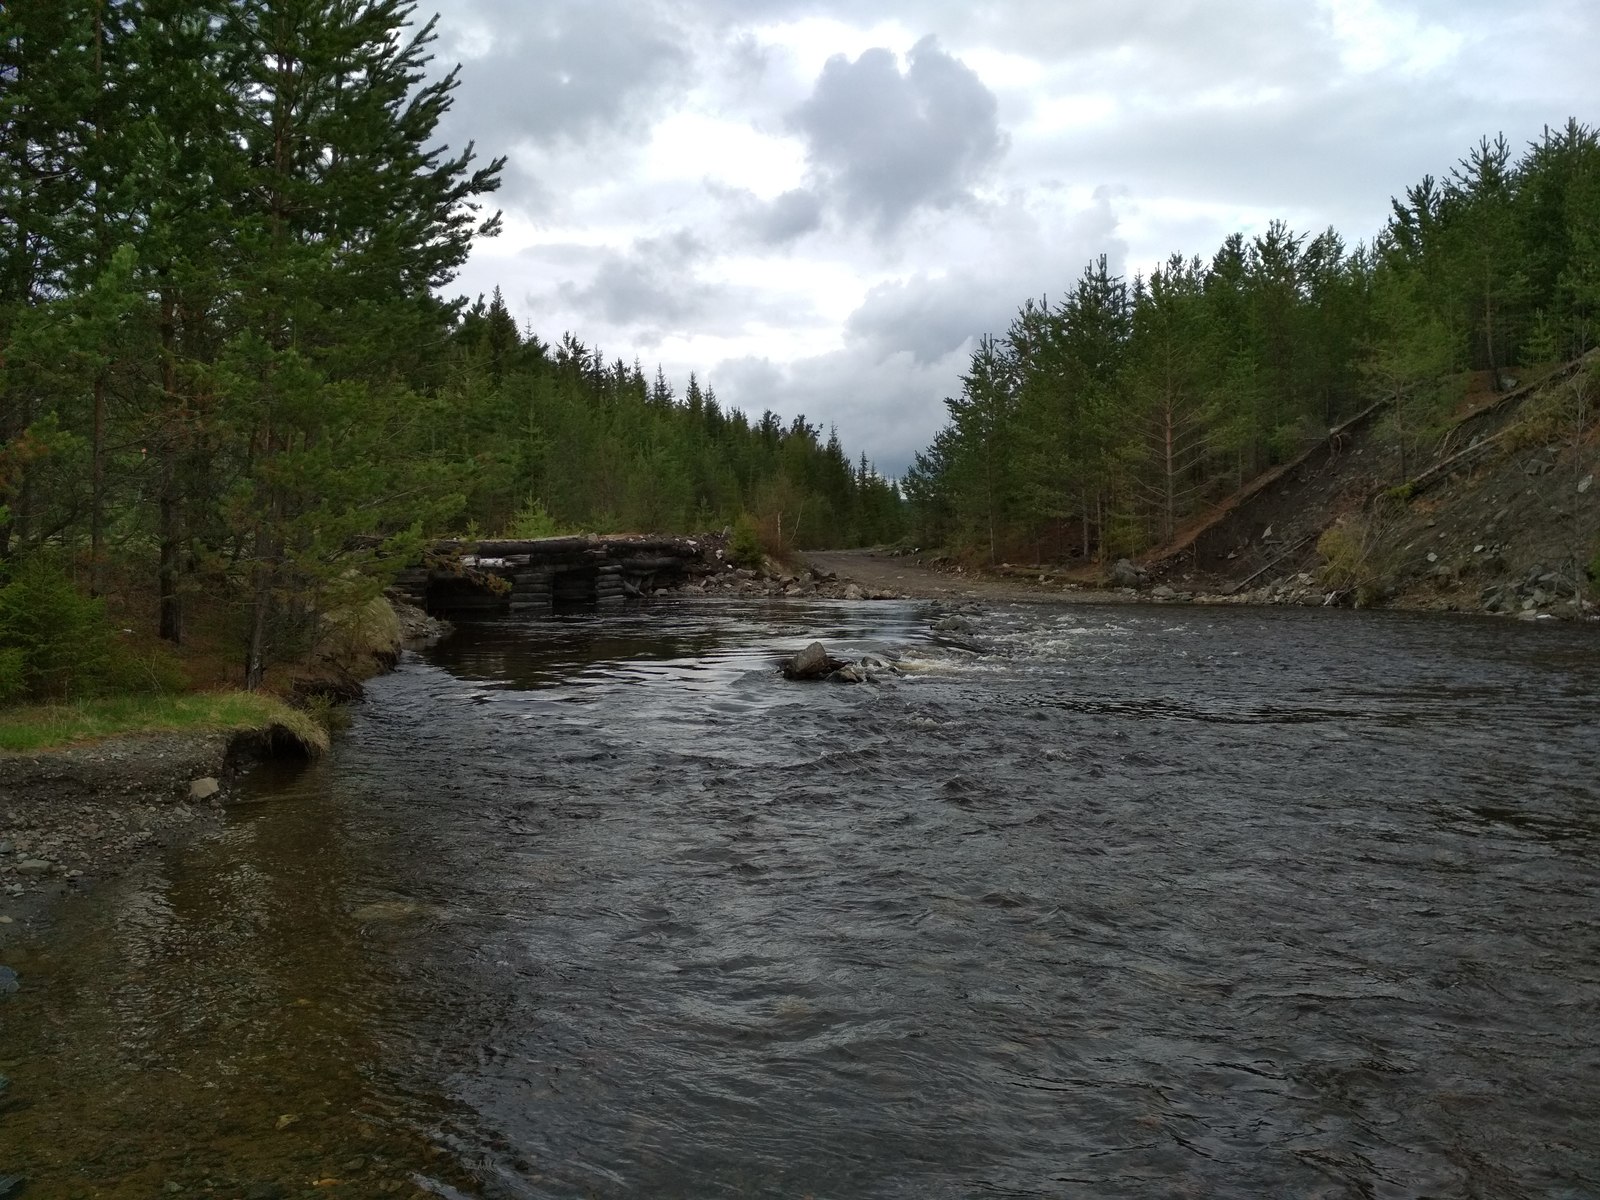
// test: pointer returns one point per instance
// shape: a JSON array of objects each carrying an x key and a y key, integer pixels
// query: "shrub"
[
  {"x": 533, "y": 520},
  {"x": 1400, "y": 495},
  {"x": 13, "y": 675},
  {"x": 55, "y": 640},
  {"x": 146, "y": 668},
  {"x": 1355, "y": 560},
  {"x": 360, "y": 632},
  {"x": 327, "y": 712},
  {"x": 745, "y": 549}
]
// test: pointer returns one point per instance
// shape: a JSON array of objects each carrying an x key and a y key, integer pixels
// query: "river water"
[{"x": 1128, "y": 902}]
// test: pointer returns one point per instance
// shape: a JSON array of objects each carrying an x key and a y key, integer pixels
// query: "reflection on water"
[{"x": 1133, "y": 902}]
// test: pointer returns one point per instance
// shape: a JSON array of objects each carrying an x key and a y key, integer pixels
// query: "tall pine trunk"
[
  {"x": 97, "y": 490},
  {"x": 169, "y": 502}
]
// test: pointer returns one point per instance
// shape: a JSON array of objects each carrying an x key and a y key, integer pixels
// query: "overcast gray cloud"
[
  {"x": 776, "y": 222},
  {"x": 561, "y": 70},
  {"x": 819, "y": 206},
  {"x": 889, "y": 141},
  {"x": 655, "y": 282}
]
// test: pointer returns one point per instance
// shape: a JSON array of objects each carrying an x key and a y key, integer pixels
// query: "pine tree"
[
  {"x": 1484, "y": 247},
  {"x": 1171, "y": 376},
  {"x": 354, "y": 219}
]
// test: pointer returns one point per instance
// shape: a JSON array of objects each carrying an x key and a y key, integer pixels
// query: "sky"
[{"x": 820, "y": 205}]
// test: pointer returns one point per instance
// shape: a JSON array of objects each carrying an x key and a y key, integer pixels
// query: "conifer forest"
[
  {"x": 230, "y": 378},
  {"x": 1102, "y": 420}
]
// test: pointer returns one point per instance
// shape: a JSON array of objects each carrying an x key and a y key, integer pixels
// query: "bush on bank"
[{"x": 55, "y": 642}]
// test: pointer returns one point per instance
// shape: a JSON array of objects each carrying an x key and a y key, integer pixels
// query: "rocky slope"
[{"x": 1502, "y": 517}]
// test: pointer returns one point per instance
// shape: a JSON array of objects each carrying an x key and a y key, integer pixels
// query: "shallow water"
[{"x": 1133, "y": 902}]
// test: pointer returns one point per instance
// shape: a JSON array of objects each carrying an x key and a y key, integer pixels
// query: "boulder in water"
[{"x": 812, "y": 663}]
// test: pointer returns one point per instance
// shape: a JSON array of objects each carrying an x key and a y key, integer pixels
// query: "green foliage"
[
  {"x": 745, "y": 549},
  {"x": 1355, "y": 560},
  {"x": 13, "y": 674},
  {"x": 533, "y": 520},
  {"x": 144, "y": 669},
  {"x": 57, "y": 640},
  {"x": 328, "y": 713},
  {"x": 357, "y": 634}
]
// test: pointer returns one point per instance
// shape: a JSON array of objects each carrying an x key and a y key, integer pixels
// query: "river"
[{"x": 1131, "y": 901}]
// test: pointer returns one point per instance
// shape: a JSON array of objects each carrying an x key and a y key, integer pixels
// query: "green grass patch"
[{"x": 54, "y": 726}]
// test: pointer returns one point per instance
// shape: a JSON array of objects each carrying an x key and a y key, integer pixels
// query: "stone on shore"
[
  {"x": 1127, "y": 574},
  {"x": 204, "y": 789}
]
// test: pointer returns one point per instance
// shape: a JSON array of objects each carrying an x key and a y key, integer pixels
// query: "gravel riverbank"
[{"x": 69, "y": 817}]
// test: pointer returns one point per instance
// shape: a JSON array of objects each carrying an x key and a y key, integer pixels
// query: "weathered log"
[
  {"x": 532, "y": 548},
  {"x": 659, "y": 562}
]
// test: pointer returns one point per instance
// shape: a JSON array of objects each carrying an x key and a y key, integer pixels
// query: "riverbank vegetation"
[
  {"x": 1102, "y": 423},
  {"x": 29, "y": 728},
  {"x": 232, "y": 397}
]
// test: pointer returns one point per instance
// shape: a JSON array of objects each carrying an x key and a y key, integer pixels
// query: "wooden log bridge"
[{"x": 536, "y": 577}]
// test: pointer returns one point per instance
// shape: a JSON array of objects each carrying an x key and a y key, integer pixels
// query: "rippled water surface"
[{"x": 1131, "y": 902}]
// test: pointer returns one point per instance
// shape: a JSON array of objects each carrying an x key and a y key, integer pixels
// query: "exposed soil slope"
[{"x": 1504, "y": 512}]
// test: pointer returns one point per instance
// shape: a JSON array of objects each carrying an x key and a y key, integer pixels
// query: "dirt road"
[{"x": 878, "y": 571}]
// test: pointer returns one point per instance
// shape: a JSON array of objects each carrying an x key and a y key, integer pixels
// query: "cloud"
[
  {"x": 792, "y": 215},
  {"x": 887, "y": 409},
  {"x": 909, "y": 341},
  {"x": 928, "y": 317},
  {"x": 564, "y": 70},
  {"x": 887, "y": 142},
  {"x": 654, "y": 284},
  {"x": 770, "y": 224}
]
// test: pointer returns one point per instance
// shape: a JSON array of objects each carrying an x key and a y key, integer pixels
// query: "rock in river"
[{"x": 812, "y": 663}]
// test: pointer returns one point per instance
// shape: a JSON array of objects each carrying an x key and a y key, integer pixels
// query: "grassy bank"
[{"x": 53, "y": 726}]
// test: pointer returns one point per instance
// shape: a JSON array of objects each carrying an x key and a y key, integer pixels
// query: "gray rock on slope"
[{"x": 1128, "y": 574}]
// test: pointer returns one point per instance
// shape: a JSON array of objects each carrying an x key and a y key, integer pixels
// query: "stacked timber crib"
[{"x": 539, "y": 577}]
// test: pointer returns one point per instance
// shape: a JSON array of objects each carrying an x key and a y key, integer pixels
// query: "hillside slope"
[{"x": 1503, "y": 516}]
